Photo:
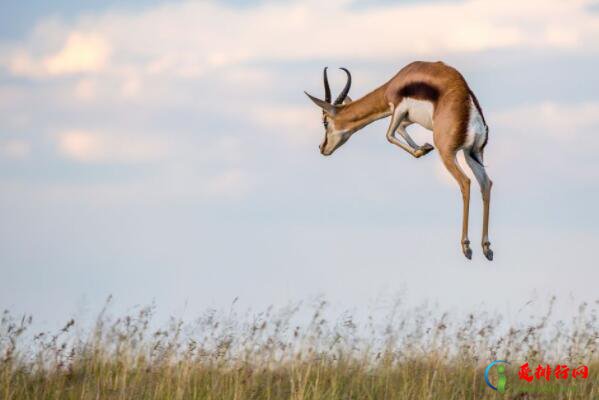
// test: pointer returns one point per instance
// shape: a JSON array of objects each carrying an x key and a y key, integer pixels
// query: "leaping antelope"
[{"x": 434, "y": 96}]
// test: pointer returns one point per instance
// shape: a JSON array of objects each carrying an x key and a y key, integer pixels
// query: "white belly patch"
[{"x": 418, "y": 111}]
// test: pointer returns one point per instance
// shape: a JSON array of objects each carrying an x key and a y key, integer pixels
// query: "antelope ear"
[
  {"x": 327, "y": 107},
  {"x": 347, "y": 100}
]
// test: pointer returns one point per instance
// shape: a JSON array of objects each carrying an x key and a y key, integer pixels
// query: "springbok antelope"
[{"x": 435, "y": 96}]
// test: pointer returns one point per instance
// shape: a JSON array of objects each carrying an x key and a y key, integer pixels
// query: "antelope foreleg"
[
  {"x": 396, "y": 120},
  {"x": 426, "y": 148}
]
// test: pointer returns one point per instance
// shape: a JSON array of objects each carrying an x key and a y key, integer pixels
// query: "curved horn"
[
  {"x": 345, "y": 90},
  {"x": 327, "y": 88}
]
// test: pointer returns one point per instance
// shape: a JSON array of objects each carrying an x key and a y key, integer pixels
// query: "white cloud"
[
  {"x": 14, "y": 148},
  {"x": 191, "y": 39},
  {"x": 200, "y": 170},
  {"x": 93, "y": 147},
  {"x": 247, "y": 77},
  {"x": 145, "y": 55},
  {"x": 547, "y": 136},
  {"x": 565, "y": 123},
  {"x": 80, "y": 53},
  {"x": 172, "y": 184},
  {"x": 562, "y": 36},
  {"x": 131, "y": 87},
  {"x": 85, "y": 89},
  {"x": 221, "y": 149},
  {"x": 296, "y": 125},
  {"x": 230, "y": 183}
]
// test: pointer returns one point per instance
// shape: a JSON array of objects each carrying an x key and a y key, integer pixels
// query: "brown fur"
[{"x": 436, "y": 82}]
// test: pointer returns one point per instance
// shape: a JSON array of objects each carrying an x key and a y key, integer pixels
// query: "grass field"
[{"x": 417, "y": 353}]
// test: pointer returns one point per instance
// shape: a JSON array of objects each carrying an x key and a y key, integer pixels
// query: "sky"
[{"x": 165, "y": 152}]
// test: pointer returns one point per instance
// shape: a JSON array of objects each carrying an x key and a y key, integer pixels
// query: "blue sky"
[{"x": 165, "y": 151}]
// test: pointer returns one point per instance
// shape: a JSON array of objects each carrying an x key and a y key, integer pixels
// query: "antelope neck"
[{"x": 361, "y": 112}]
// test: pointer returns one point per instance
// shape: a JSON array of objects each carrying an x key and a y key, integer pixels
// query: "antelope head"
[{"x": 335, "y": 134}]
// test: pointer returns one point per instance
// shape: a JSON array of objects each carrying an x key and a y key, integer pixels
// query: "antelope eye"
[{"x": 325, "y": 123}]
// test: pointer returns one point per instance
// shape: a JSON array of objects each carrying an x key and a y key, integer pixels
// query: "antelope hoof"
[
  {"x": 426, "y": 148},
  {"x": 466, "y": 249},
  {"x": 487, "y": 251}
]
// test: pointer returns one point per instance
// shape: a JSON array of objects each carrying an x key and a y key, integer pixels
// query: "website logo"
[
  {"x": 541, "y": 374},
  {"x": 501, "y": 380}
]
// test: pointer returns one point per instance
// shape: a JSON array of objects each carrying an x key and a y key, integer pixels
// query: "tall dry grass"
[{"x": 417, "y": 353}]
